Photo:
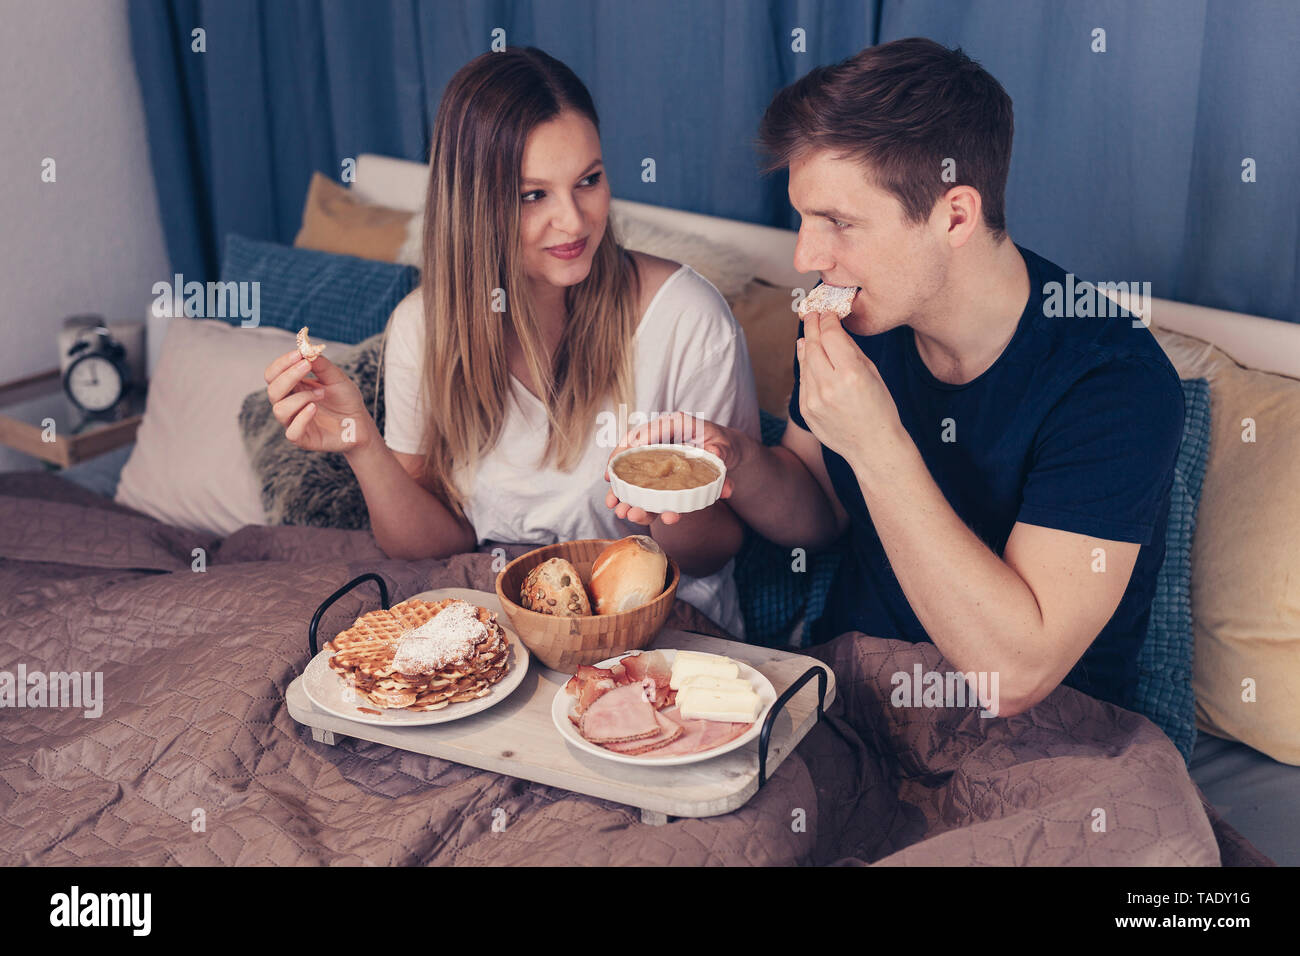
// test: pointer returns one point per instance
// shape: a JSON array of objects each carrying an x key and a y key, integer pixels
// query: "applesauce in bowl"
[
  {"x": 664, "y": 468},
  {"x": 658, "y": 478}
]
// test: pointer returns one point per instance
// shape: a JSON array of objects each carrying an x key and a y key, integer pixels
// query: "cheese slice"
[
  {"x": 702, "y": 703},
  {"x": 690, "y": 663},
  {"x": 709, "y": 682}
]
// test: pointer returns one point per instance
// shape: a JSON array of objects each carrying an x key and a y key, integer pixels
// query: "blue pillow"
[
  {"x": 342, "y": 298},
  {"x": 1164, "y": 691}
]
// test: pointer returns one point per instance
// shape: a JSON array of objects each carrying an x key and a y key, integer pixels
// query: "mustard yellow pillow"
[
  {"x": 770, "y": 326},
  {"x": 333, "y": 220},
  {"x": 1246, "y": 553}
]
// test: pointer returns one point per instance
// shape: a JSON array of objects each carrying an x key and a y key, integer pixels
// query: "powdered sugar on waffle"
[{"x": 446, "y": 638}]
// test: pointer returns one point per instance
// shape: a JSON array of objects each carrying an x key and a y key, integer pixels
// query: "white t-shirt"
[{"x": 690, "y": 355}]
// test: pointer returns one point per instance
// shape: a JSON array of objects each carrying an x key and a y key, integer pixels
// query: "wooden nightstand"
[{"x": 26, "y": 405}]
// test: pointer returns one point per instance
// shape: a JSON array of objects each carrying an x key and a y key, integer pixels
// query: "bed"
[{"x": 195, "y": 760}]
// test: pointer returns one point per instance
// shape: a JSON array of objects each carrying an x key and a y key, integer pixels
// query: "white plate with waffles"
[{"x": 328, "y": 690}]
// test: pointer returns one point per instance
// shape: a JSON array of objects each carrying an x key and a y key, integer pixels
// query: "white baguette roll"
[{"x": 627, "y": 574}]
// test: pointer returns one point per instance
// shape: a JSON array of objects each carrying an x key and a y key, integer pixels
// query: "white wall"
[{"x": 92, "y": 240}]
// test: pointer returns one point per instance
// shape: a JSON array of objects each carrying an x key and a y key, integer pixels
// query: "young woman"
[{"x": 532, "y": 345}]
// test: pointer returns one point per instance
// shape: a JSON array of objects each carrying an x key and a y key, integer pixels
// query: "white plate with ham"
[{"x": 638, "y": 717}]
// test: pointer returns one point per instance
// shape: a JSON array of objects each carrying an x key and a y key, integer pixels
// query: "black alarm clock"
[{"x": 98, "y": 376}]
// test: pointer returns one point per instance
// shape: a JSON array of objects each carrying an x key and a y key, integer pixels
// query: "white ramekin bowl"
[{"x": 658, "y": 500}]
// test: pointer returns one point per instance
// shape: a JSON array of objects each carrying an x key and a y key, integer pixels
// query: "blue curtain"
[{"x": 1127, "y": 164}]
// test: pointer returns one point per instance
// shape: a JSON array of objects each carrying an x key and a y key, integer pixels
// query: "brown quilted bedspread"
[{"x": 195, "y": 759}]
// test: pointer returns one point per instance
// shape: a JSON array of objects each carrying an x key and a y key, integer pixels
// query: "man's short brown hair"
[{"x": 900, "y": 109}]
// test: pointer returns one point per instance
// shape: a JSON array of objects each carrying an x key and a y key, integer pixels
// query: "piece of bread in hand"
[
  {"x": 554, "y": 587},
  {"x": 829, "y": 298},
  {"x": 628, "y": 574},
  {"x": 306, "y": 349}
]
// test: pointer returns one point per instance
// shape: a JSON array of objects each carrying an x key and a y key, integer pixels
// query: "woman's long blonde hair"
[{"x": 473, "y": 260}]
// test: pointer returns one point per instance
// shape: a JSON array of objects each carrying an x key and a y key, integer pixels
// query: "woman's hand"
[
  {"x": 678, "y": 428},
  {"x": 325, "y": 413}
]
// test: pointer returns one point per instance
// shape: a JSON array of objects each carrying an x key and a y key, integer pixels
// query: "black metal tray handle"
[
  {"x": 320, "y": 611},
  {"x": 765, "y": 735}
]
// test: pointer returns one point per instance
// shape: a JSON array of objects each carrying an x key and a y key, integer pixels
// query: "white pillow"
[
  {"x": 189, "y": 467},
  {"x": 730, "y": 270}
]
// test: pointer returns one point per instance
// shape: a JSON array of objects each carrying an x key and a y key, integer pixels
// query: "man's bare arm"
[
  {"x": 701, "y": 542},
  {"x": 784, "y": 493},
  {"x": 1028, "y": 615}
]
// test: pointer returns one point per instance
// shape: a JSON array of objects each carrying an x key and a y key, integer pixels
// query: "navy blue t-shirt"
[{"x": 1075, "y": 426}]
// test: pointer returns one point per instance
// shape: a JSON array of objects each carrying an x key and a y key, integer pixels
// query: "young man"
[{"x": 1003, "y": 471}]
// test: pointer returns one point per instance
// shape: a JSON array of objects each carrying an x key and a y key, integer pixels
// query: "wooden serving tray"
[{"x": 516, "y": 737}]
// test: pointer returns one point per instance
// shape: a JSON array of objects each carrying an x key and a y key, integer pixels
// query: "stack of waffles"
[{"x": 422, "y": 656}]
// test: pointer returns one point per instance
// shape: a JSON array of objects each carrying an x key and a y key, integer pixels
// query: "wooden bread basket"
[{"x": 566, "y": 643}]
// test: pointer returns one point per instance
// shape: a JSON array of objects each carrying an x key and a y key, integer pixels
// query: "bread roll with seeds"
[{"x": 554, "y": 587}]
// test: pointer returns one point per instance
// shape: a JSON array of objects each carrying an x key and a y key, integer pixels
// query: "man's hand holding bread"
[{"x": 842, "y": 397}]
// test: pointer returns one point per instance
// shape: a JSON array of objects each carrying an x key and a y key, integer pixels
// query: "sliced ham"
[
  {"x": 590, "y": 672},
  {"x": 633, "y": 665},
  {"x": 630, "y": 709},
  {"x": 621, "y": 714},
  {"x": 592, "y": 690},
  {"x": 698, "y": 735},
  {"x": 668, "y": 732},
  {"x": 651, "y": 664},
  {"x": 590, "y": 682}
]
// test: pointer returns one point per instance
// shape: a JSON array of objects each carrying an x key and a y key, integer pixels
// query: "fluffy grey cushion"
[{"x": 311, "y": 488}]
